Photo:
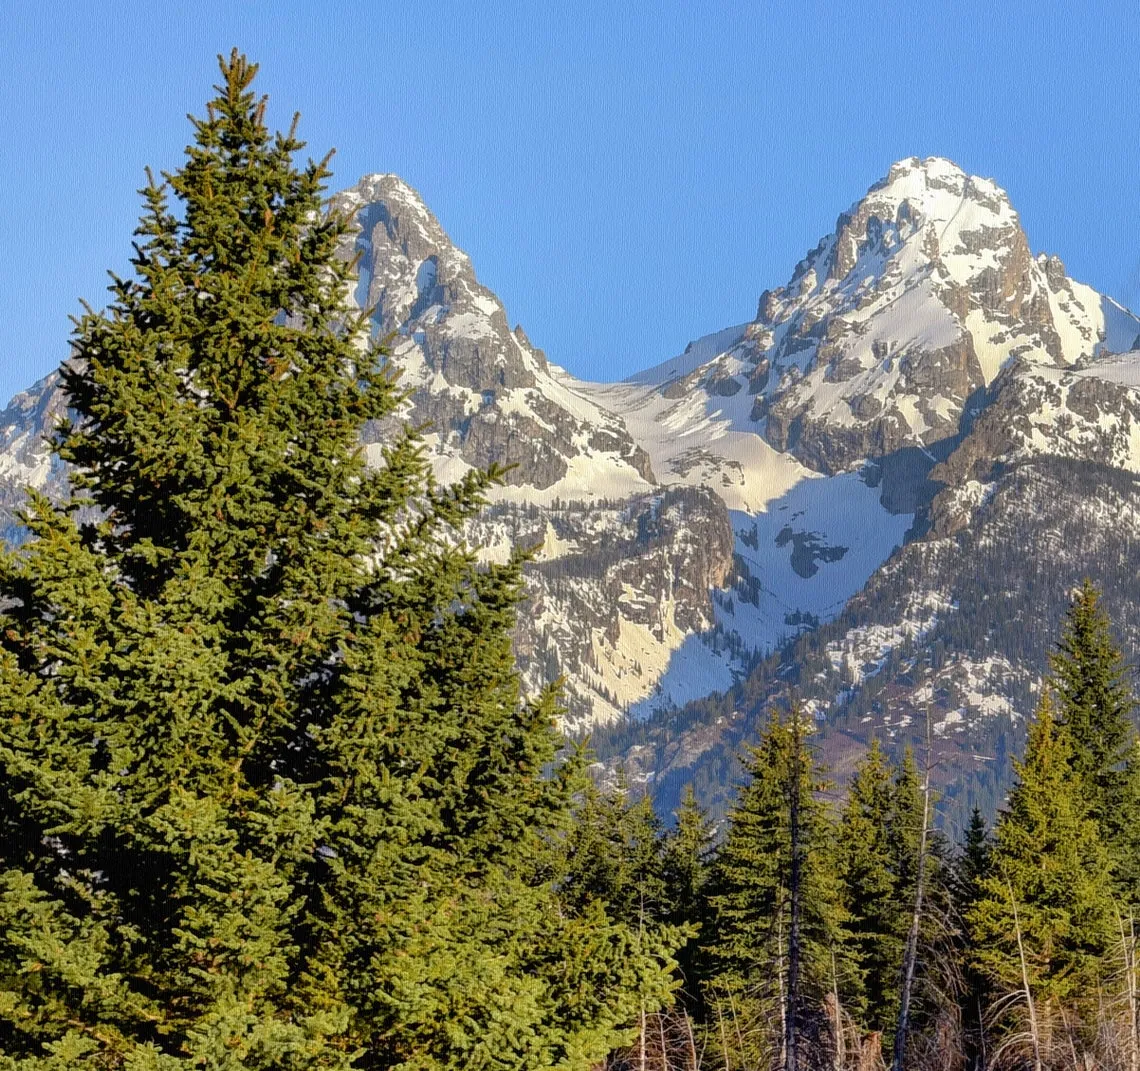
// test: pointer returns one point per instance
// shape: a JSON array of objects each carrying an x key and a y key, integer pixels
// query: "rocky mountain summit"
[
  {"x": 853, "y": 493},
  {"x": 887, "y": 329}
]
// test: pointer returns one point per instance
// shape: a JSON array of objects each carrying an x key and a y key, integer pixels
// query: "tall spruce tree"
[
  {"x": 615, "y": 856},
  {"x": 1043, "y": 916},
  {"x": 1095, "y": 705},
  {"x": 870, "y": 891},
  {"x": 686, "y": 863},
  {"x": 269, "y": 797},
  {"x": 973, "y": 865},
  {"x": 880, "y": 828},
  {"x": 749, "y": 932}
]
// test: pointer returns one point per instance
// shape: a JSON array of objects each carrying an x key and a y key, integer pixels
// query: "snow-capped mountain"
[
  {"x": 1041, "y": 490},
  {"x": 822, "y": 487},
  {"x": 487, "y": 393},
  {"x": 924, "y": 291}
]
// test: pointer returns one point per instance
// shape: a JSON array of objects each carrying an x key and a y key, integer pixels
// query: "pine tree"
[
  {"x": 270, "y": 797},
  {"x": 1095, "y": 705},
  {"x": 749, "y": 942},
  {"x": 686, "y": 860},
  {"x": 1043, "y": 918}
]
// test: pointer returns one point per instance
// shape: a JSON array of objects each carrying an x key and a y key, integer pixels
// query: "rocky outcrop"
[
  {"x": 619, "y": 600},
  {"x": 26, "y": 459},
  {"x": 919, "y": 380},
  {"x": 486, "y": 392},
  {"x": 914, "y": 304}
]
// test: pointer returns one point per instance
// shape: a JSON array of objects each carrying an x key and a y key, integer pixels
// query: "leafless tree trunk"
[
  {"x": 781, "y": 967},
  {"x": 910, "y": 955},
  {"x": 736, "y": 1027},
  {"x": 837, "y": 1024},
  {"x": 1129, "y": 945},
  {"x": 1034, "y": 1032},
  {"x": 641, "y": 1042},
  {"x": 723, "y": 1037},
  {"x": 694, "y": 1061}
]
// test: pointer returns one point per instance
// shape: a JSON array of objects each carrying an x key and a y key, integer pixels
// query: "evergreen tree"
[
  {"x": 869, "y": 890},
  {"x": 972, "y": 867},
  {"x": 269, "y": 796},
  {"x": 615, "y": 856},
  {"x": 688, "y": 852},
  {"x": 974, "y": 859},
  {"x": 878, "y": 847},
  {"x": 1044, "y": 915},
  {"x": 1095, "y": 706},
  {"x": 749, "y": 940},
  {"x": 904, "y": 827}
]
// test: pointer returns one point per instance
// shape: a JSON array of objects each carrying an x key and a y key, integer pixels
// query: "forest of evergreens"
[
  {"x": 838, "y": 929},
  {"x": 270, "y": 797}
]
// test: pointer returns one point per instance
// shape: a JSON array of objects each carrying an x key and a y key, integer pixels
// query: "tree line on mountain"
[
  {"x": 271, "y": 798},
  {"x": 1044, "y": 529},
  {"x": 841, "y": 930}
]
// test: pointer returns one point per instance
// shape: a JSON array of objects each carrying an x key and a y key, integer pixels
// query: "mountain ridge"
[{"x": 733, "y": 504}]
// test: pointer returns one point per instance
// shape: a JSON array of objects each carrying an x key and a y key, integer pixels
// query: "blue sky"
[{"x": 624, "y": 180}]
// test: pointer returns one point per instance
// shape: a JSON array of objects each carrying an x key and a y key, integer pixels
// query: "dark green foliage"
[
  {"x": 614, "y": 856},
  {"x": 686, "y": 865},
  {"x": 879, "y": 834},
  {"x": 870, "y": 890},
  {"x": 878, "y": 842},
  {"x": 1049, "y": 883},
  {"x": 1094, "y": 708},
  {"x": 269, "y": 795},
  {"x": 749, "y": 896},
  {"x": 972, "y": 867}
]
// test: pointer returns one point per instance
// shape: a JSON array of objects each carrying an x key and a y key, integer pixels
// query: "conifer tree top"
[{"x": 269, "y": 793}]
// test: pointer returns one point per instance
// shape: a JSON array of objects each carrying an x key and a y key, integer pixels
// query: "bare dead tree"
[
  {"x": 1128, "y": 948},
  {"x": 1030, "y": 1006}
]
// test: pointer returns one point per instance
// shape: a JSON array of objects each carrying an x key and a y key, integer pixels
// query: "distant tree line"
[{"x": 843, "y": 931}]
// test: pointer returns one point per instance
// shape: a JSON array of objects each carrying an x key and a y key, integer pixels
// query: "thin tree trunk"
[
  {"x": 840, "y": 1040},
  {"x": 1133, "y": 1024},
  {"x": 723, "y": 1036},
  {"x": 1128, "y": 947},
  {"x": 910, "y": 956},
  {"x": 661, "y": 1037},
  {"x": 693, "y": 1061},
  {"x": 781, "y": 967},
  {"x": 982, "y": 1038},
  {"x": 736, "y": 1028},
  {"x": 641, "y": 1043},
  {"x": 1033, "y": 1031}
]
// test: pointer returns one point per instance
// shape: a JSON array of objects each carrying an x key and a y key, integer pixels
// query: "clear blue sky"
[{"x": 626, "y": 177}]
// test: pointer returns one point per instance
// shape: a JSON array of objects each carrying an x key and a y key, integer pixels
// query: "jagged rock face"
[
  {"x": 26, "y": 459},
  {"x": 957, "y": 626},
  {"x": 1089, "y": 413},
  {"x": 713, "y": 509},
  {"x": 925, "y": 290},
  {"x": 619, "y": 601},
  {"x": 487, "y": 393}
]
